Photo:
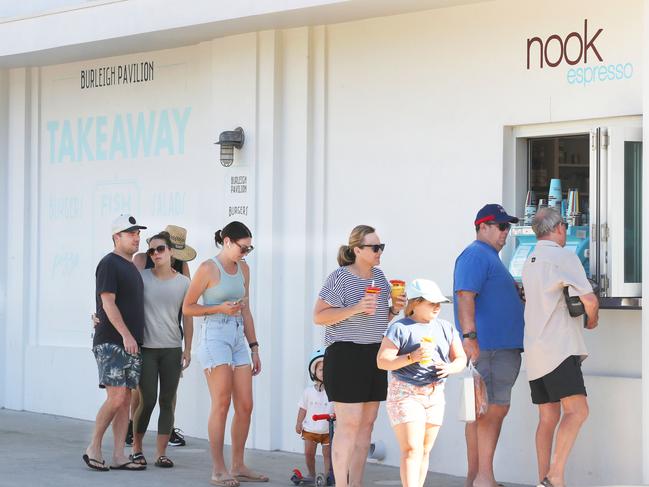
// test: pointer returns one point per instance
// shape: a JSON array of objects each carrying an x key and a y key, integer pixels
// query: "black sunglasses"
[
  {"x": 501, "y": 226},
  {"x": 375, "y": 247},
  {"x": 153, "y": 250},
  {"x": 244, "y": 249}
]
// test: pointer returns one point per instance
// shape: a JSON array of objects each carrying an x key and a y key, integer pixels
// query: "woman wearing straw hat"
[
  {"x": 181, "y": 254},
  {"x": 162, "y": 354}
]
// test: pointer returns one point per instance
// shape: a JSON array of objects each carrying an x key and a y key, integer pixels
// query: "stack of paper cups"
[
  {"x": 554, "y": 194},
  {"x": 530, "y": 208}
]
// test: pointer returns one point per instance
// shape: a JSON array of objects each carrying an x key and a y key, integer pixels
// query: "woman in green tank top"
[{"x": 228, "y": 350}]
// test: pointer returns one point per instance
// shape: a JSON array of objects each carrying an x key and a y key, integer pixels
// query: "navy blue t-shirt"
[
  {"x": 120, "y": 277},
  {"x": 498, "y": 307},
  {"x": 407, "y": 334}
]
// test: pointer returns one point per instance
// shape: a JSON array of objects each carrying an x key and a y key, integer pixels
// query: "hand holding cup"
[{"x": 370, "y": 299}]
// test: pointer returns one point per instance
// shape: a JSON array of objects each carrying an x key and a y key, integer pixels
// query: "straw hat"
[{"x": 179, "y": 249}]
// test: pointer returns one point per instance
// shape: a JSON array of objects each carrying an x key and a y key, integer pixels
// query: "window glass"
[{"x": 632, "y": 211}]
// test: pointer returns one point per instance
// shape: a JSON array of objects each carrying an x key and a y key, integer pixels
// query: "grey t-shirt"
[{"x": 163, "y": 300}]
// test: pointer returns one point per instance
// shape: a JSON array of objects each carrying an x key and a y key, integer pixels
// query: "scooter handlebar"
[{"x": 321, "y": 417}]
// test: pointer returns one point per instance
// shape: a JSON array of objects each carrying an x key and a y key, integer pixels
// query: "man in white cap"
[{"x": 118, "y": 335}]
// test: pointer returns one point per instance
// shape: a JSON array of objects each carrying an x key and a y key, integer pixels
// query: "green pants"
[{"x": 165, "y": 364}]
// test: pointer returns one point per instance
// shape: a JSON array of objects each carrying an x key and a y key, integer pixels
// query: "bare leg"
[
  {"x": 137, "y": 443},
  {"x": 135, "y": 401},
  {"x": 363, "y": 439},
  {"x": 411, "y": 443},
  {"x": 549, "y": 415},
  {"x": 471, "y": 436},
  {"x": 120, "y": 427},
  {"x": 309, "y": 456},
  {"x": 489, "y": 427},
  {"x": 326, "y": 454},
  {"x": 242, "y": 399},
  {"x": 348, "y": 421},
  {"x": 115, "y": 399},
  {"x": 575, "y": 413},
  {"x": 161, "y": 443},
  {"x": 219, "y": 382},
  {"x": 429, "y": 440}
]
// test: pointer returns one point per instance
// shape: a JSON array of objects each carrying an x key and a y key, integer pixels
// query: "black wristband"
[
  {"x": 253, "y": 344},
  {"x": 472, "y": 335}
]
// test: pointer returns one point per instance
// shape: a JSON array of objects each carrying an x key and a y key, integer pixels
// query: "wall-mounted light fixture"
[{"x": 230, "y": 140}]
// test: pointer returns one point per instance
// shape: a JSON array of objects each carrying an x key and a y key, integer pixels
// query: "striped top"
[{"x": 343, "y": 289}]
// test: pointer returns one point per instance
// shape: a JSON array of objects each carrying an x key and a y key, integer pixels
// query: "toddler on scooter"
[{"x": 315, "y": 401}]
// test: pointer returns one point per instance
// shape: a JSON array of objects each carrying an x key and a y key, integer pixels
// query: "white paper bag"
[{"x": 467, "y": 397}]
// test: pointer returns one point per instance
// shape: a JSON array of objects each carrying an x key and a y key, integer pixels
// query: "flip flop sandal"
[
  {"x": 252, "y": 477},
  {"x": 128, "y": 466},
  {"x": 138, "y": 458},
  {"x": 164, "y": 462},
  {"x": 95, "y": 464},
  {"x": 224, "y": 482},
  {"x": 545, "y": 483}
]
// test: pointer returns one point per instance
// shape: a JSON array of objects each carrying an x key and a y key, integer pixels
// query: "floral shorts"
[
  {"x": 117, "y": 368},
  {"x": 410, "y": 403}
]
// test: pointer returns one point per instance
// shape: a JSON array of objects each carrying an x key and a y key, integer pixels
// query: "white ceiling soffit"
[{"x": 22, "y": 42}]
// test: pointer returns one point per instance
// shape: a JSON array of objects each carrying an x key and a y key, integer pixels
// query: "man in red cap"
[{"x": 489, "y": 315}]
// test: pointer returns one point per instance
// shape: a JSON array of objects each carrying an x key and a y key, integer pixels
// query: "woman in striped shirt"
[{"x": 355, "y": 321}]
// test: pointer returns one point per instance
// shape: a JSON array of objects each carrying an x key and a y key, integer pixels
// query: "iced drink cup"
[
  {"x": 398, "y": 287},
  {"x": 373, "y": 291},
  {"x": 426, "y": 362}
]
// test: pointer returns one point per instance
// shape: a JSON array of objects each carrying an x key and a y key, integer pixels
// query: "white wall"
[
  {"x": 397, "y": 122},
  {"x": 4, "y": 129}
]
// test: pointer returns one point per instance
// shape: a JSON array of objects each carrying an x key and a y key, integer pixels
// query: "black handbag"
[{"x": 575, "y": 306}]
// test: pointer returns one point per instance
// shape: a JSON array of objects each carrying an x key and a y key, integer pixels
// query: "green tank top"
[{"x": 230, "y": 288}]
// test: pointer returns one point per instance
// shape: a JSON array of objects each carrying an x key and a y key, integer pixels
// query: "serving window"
[{"x": 593, "y": 176}]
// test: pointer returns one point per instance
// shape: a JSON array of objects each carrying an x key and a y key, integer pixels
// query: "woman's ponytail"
[{"x": 346, "y": 256}]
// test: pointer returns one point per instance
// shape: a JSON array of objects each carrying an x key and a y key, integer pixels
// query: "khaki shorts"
[
  {"x": 408, "y": 403},
  {"x": 322, "y": 438}
]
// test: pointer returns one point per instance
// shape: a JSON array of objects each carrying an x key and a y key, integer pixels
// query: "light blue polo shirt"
[{"x": 498, "y": 308}]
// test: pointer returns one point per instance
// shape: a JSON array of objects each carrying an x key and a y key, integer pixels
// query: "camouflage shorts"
[{"x": 116, "y": 367}]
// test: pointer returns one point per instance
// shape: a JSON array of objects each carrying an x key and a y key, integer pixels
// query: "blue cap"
[{"x": 494, "y": 213}]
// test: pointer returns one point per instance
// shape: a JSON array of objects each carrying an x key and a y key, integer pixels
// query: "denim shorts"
[
  {"x": 116, "y": 367},
  {"x": 499, "y": 369},
  {"x": 223, "y": 342}
]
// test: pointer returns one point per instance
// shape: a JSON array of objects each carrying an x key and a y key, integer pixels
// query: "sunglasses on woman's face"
[
  {"x": 244, "y": 248},
  {"x": 375, "y": 247},
  {"x": 159, "y": 249}
]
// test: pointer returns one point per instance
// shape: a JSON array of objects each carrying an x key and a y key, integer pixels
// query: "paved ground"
[{"x": 41, "y": 450}]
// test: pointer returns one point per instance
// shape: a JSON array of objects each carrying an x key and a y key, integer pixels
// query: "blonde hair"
[
  {"x": 412, "y": 304},
  {"x": 346, "y": 254}
]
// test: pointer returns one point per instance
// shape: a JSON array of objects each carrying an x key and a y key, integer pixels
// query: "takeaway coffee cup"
[
  {"x": 373, "y": 291},
  {"x": 427, "y": 362},
  {"x": 398, "y": 287}
]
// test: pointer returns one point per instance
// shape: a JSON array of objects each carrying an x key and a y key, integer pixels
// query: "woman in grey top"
[{"x": 162, "y": 353}]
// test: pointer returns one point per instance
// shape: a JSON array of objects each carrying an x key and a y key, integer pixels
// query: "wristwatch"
[{"x": 472, "y": 335}]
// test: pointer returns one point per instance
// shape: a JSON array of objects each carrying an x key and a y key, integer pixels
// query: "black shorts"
[
  {"x": 351, "y": 374},
  {"x": 566, "y": 380}
]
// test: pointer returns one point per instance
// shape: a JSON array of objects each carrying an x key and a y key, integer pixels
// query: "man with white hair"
[{"x": 554, "y": 343}]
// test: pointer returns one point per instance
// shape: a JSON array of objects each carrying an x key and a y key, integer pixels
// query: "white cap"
[
  {"x": 427, "y": 289},
  {"x": 125, "y": 223}
]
